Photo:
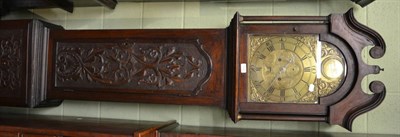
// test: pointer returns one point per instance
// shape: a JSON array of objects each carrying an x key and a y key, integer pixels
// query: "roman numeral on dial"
[
  {"x": 259, "y": 55},
  {"x": 310, "y": 69},
  {"x": 254, "y": 68}
]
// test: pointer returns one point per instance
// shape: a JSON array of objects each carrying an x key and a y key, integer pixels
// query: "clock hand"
[{"x": 281, "y": 70}]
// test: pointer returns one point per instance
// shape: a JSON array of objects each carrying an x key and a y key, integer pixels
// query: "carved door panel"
[{"x": 163, "y": 66}]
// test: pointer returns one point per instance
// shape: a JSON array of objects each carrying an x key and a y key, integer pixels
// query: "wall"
[{"x": 382, "y": 15}]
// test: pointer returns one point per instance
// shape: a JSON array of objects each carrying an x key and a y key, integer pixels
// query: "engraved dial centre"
[{"x": 286, "y": 69}]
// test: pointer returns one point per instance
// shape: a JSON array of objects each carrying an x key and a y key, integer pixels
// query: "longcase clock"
[{"x": 303, "y": 68}]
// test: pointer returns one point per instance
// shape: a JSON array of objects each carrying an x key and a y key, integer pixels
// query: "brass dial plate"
[{"x": 292, "y": 68}]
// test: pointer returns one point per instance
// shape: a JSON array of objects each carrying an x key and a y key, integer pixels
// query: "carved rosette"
[
  {"x": 136, "y": 65},
  {"x": 10, "y": 59}
]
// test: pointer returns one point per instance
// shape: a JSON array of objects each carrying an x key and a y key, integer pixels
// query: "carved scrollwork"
[
  {"x": 132, "y": 65},
  {"x": 357, "y": 102},
  {"x": 10, "y": 59},
  {"x": 105, "y": 66}
]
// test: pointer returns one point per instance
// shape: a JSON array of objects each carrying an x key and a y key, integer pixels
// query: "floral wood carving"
[
  {"x": 134, "y": 65},
  {"x": 10, "y": 59}
]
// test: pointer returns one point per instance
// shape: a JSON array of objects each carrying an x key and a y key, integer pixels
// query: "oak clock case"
[{"x": 302, "y": 68}]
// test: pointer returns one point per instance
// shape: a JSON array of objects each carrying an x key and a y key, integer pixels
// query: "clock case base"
[{"x": 24, "y": 63}]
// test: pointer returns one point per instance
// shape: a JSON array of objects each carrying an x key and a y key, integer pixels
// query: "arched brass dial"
[{"x": 292, "y": 68}]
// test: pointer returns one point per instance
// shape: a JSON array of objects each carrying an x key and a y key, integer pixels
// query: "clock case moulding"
[{"x": 43, "y": 64}]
